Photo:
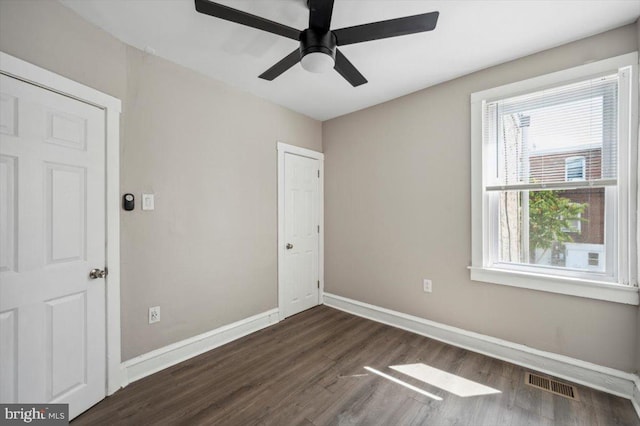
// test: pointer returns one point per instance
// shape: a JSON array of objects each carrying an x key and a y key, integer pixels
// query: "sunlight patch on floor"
[
  {"x": 405, "y": 384},
  {"x": 446, "y": 381}
]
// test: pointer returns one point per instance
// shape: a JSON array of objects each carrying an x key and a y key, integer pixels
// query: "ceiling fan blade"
[
  {"x": 320, "y": 14},
  {"x": 348, "y": 71},
  {"x": 385, "y": 29},
  {"x": 244, "y": 18},
  {"x": 285, "y": 63}
]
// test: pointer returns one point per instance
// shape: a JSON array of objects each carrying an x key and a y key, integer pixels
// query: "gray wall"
[
  {"x": 207, "y": 254},
  {"x": 51, "y": 36},
  {"x": 398, "y": 203}
]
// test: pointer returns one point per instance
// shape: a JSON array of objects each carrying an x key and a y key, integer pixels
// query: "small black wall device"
[{"x": 128, "y": 202}]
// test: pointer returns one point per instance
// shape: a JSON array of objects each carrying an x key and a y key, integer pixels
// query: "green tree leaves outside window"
[{"x": 550, "y": 215}]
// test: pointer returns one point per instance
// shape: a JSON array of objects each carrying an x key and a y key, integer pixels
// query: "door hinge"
[
  {"x": 318, "y": 173},
  {"x": 318, "y": 283},
  {"x": 318, "y": 229}
]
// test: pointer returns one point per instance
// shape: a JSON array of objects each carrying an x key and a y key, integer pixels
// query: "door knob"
[
  {"x": 98, "y": 273},
  {"x": 289, "y": 246}
]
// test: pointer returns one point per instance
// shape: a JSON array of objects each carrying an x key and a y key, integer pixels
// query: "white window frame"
[
  {"x": 622, "y": 286},
  {"x": 569, "y": 160}
]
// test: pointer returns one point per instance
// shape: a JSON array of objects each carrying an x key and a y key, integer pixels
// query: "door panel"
[
  {"x": 8, "y": 191},
  {"x": 52, "y": 233},
  {"x": 301, "y": 216},
  {"x": 65, "y": 213},
  {"x": 8, "y": 114},
  {"x": 66, "y": 324},
  {"x": 8, "y": 356}
]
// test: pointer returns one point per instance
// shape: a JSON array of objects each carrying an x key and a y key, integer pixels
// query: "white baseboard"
[
  {"x": 635, "y": 399},
  {"x": 159, "y": 359},
  {"x": 595, "y": 376}
]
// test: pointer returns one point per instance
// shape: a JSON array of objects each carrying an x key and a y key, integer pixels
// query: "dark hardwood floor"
[{"x": 309, "y": 370}]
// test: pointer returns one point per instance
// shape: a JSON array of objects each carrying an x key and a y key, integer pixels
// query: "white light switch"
[{"x": 148, "y": 202}]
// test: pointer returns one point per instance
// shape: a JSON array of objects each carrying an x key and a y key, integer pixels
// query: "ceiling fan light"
[{"x": 317, "y": 62}]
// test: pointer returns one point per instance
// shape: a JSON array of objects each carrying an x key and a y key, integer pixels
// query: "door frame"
[
  {"x": 29, "y": 73},
  {"x": 283, "y": 149}
]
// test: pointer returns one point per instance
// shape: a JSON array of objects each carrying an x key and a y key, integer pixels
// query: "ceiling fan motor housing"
[{"x": 314, "y": 41}]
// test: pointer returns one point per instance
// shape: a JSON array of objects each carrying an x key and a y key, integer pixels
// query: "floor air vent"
[{"x": 550, "y": 385}]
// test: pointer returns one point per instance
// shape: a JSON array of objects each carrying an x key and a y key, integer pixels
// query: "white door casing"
[
  {"x": 300, "y": 229},
  {"x": 57, "y": 340}
]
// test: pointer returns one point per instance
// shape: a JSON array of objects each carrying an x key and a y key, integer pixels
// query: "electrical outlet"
[
  {"x": 427, "y": 286},
  {"x": 154, "y": 314}
]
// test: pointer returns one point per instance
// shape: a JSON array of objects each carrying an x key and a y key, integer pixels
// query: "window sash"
[
  {"x": 611, "y": 233},
  {"x": 516, "y": 163},
  {"x": 599, "y": 183}
]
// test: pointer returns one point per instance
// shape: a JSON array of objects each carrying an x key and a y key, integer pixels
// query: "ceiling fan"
[{"x": 318, "y": 50}]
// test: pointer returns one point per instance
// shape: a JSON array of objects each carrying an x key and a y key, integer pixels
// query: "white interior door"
[
  {"x": 301, "y": 234},
  {"x": 52, "y": 232}
]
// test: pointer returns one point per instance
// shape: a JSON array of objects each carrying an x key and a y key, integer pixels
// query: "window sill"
[{"x": 569, "y": 286}]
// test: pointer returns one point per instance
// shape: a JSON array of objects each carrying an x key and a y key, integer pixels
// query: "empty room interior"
[{"x": 319, "y": 212}]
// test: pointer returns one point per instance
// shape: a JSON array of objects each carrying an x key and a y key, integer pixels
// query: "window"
[
  {"x": 574, "y": 168},
  {"x": 574, "y": 223},
  {"x": 552, "y": 182}
]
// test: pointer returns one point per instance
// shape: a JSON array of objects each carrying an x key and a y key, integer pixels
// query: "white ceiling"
[{"x": 471, "y": 35}]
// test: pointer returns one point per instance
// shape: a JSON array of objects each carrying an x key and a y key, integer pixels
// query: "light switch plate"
[{"x": 148, "y": 202}]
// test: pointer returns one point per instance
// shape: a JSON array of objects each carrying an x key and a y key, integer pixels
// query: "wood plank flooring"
[{"x": 309, "y": 370}]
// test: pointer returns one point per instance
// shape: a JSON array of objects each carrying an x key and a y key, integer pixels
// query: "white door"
[
  {"x": 301, "y": 234},
  {"x": 52, "y": 233}
]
